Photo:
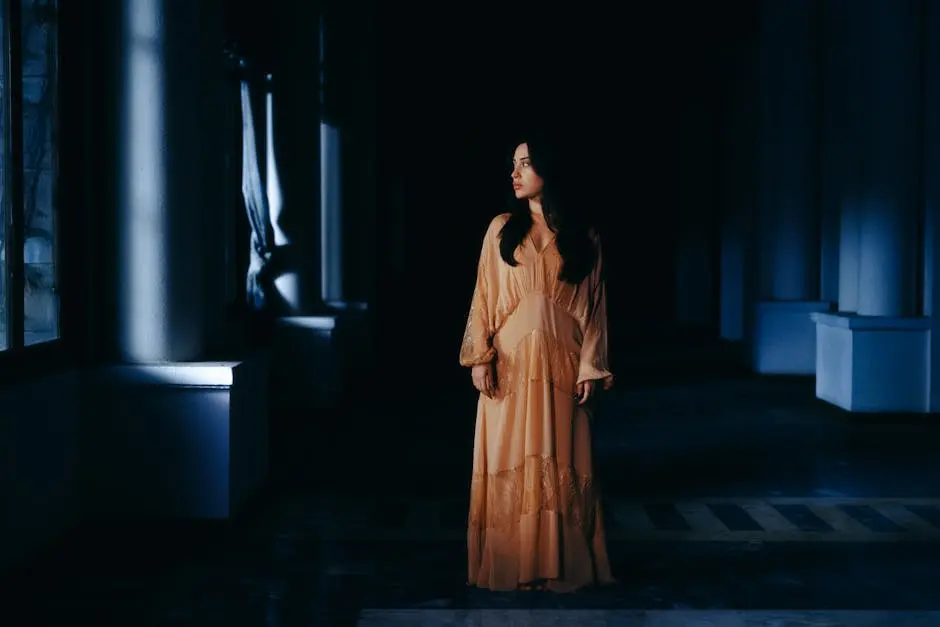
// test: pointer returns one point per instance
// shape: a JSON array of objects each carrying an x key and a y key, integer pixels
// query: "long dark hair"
[{"x": 571, "y": 227}]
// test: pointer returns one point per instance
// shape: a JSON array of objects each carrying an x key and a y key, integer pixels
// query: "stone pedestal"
[
  {"x": 872, "y": 364},
  {"x": 784, "y": 337},
  {"x": 185, "y": 441}
]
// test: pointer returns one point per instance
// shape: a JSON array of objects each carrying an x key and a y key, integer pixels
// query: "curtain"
[{"x": 257, "y": 289}]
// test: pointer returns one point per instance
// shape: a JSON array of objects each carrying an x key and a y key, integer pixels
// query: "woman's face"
[{"x": 525, "y": 182}]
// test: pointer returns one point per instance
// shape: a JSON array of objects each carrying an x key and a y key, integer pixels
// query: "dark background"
[{"x": 454, "y": 85}]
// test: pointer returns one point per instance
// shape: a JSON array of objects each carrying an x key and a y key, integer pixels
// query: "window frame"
[{"x": 19, "y": 360}]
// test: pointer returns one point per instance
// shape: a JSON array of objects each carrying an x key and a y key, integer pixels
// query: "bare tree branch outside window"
[
  {"x": 38, "y": 31},
  {"x": 39, "y": 37}
]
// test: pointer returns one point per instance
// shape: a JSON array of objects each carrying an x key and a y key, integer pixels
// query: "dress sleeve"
[
  {"x": 477, "y": 347},
  {"x": 594, "y": 358}
]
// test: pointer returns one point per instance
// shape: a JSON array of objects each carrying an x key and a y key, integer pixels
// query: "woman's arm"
[
  {"x": 477, "y": 347},
  {"x": 594, "y": 358}
]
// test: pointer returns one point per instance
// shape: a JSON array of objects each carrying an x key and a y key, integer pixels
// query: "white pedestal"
[
  {"x": 784, "y": 340},
  {"x": 873, "y": 364},
  {"x": 186, "y": 440}
]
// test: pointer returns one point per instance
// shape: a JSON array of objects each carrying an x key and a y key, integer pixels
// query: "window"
[{"x": 29, "y": 302}]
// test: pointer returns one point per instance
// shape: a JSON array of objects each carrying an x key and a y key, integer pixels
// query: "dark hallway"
[
  {"x": 724, "y": 492},
  {"x": 270, "y": 217}
]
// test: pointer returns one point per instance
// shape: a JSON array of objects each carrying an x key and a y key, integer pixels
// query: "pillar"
[
  {"x": 789, "y": 220},
  {"x": 788, "y": 206},
  {"x": 931, "y": 283},
  {"x": 875, "y": 358},
  {"x": 737, "y": 197},
  {"x": 295, "y": 134},
  {"x": 348, "y": 133},
  {"x": 334, "y": 124},
  {"x": 835, "y": 144},
  {"x": 891, "y": 188},
  {"x": 349, "y": 136},
  {"x": 164, "y": 178},
  {"x": 327, "y": 165},
  {"x": 844, "y": 76},
  {"x": 171, "y": 432},
  {"x": 694, "y": 285}
]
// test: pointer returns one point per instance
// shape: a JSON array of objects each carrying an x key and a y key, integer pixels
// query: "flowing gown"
[{"x": 534, "y": 507}]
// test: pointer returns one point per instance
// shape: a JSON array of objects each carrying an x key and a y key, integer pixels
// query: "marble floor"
[
  {"x": 733, "y": 500},
  {"x": 631, "y": 618}
]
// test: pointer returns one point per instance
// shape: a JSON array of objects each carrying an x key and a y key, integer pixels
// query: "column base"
[
  {"x": 183, "y": 441},
  {"x": 873, "y": 363},
  {"x": 784, "y": 339},
  {"x": 305, "y": 371},
  {"x": 316, "y": 357}
]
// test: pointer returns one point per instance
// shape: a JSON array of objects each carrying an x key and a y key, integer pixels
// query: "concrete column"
[
  {"x": 874, "y": 355},
  {"x": 695, "y": 264},
  {"x": 843, "y": 128},
  {"x": 329, "y": 198},
  {"x": 834, "y": 144},
  {"x": 172, "y": 432},
  {"x": 332, "y": 136},
  {"x": 848, "y": 255},
  {"x": 789, "y": 215},
  {"x": 164, "y": 177},
  {"x": 891, "y": 188},
  {"x": 295, "y": 104},
  {"x": 932, "y": 193},
  {"x": 738, "y": 197},
  {"x": 788, "y": 197},
  {"x": 830, "y": 239},
  {"x": 348, "y": 133}
]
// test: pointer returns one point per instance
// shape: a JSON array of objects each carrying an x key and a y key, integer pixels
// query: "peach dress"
[{"x": 534, "y": 508}]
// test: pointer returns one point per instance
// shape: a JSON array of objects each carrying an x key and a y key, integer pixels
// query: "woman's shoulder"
[
  {"x": 500, "y": 220},
  {"x": 496, "y": 224}
]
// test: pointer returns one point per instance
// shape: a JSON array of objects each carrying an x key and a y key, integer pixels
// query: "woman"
[{"x": 536, "y": 341}]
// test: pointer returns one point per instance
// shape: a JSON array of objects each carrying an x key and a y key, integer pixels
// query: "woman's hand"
[
  {"x": 482, "y": 376},
  {"x": 585, "y": 390}
]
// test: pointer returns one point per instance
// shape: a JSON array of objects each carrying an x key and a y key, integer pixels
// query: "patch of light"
[
  {"x": 288, "y": 284},
  {"x": 320, "y": 323},
  {"x": 199, "y": 374},
  {"x": 143, "y": 231},
  {"x": 331, "y": 243}
]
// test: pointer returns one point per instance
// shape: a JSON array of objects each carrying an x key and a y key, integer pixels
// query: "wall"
[
  {"x": 39, "y": 458},
  {"x": 168, "y": 441}
]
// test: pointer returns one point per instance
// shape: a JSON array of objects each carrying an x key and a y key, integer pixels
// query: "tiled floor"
[
  {"x": 812, "y": 519},
  {"x": 633, "y": 618},
  {"x": 746, "y": 498}
]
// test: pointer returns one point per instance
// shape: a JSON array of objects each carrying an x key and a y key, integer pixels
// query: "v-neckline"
[{"x": 548, "y": 242}]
